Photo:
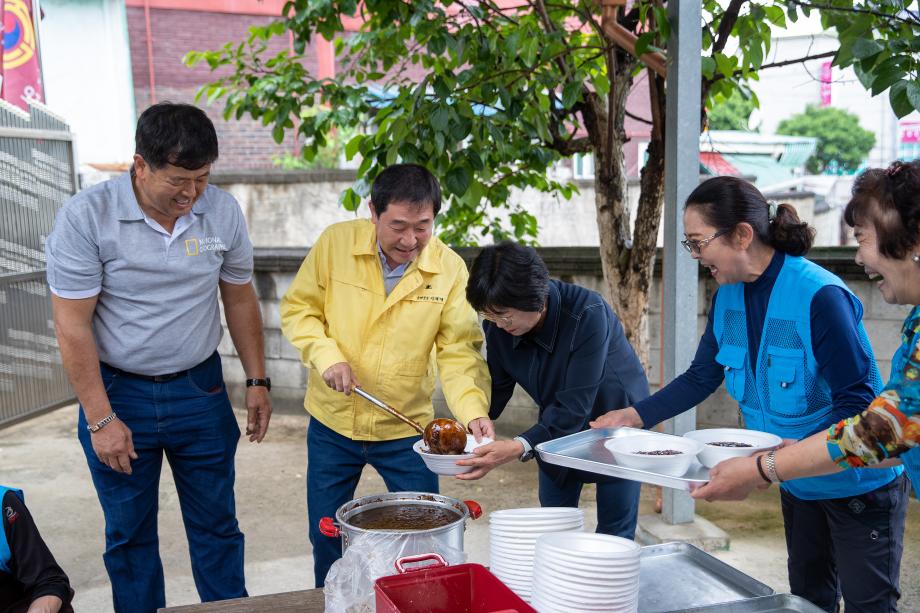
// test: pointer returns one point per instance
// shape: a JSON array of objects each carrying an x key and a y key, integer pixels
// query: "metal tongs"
[{"x": 382, "y": 405}]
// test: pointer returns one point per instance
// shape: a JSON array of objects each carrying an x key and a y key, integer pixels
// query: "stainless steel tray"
[
  {"x": 681, "y": 577},
  {"x": 778, "y": 603},
  {"x": 586, "y": 451}
]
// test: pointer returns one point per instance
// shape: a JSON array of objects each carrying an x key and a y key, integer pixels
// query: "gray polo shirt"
[{"x": 157, "y": 310}]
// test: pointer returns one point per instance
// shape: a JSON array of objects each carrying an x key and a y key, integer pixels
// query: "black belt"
[
  {"x": 154, "y": 378},
  {"x": 158, "y": 378}
]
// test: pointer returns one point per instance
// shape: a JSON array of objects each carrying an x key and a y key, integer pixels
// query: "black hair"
[
  {"x": 725, "y": 202},
  {"x": 177, "y": 134},
  {"x": 405, "y": 183},
  {"x": 508, "y": 275},
  {"x": 890, "y": 200}
]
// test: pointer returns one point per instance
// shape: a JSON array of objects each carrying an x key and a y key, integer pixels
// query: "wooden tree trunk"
[{"x": 627, "y": 251}]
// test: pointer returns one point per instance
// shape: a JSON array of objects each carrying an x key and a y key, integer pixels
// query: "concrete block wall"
[{"x": 275, "y": 270}]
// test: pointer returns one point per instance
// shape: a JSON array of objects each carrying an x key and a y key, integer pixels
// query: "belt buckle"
[{"x": 165, "y": 378}]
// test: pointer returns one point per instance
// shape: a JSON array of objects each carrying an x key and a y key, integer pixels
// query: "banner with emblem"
[{"x": 19, "y": 63}]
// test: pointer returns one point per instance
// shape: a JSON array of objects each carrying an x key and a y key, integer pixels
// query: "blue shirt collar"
[
  {"x": 387, "y": 271},
  {"x": 769, "y": 275}
]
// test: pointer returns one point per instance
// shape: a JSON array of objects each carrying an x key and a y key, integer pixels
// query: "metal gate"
[{"x": 37, "y": 175}]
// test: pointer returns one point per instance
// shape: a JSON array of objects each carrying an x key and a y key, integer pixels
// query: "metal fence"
[{"x": 37, "y": 175}]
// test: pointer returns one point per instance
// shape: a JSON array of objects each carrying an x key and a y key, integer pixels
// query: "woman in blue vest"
[
  {"x": 885, "y": 215},
  {"x": 786, "y": 337},
  {"x": 30, "y": 580}
]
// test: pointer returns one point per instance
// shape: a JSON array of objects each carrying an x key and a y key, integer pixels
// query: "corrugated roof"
[
  {"x": 764, "y": 168},
  {"x": 716, "y": 164}
]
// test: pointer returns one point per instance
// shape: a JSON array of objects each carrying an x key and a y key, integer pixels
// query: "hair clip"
[
  {"x": 772, "y": 209},
  {"x": 894, "y": 169}
]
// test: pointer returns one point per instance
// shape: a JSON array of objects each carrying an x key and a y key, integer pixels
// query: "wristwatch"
[
  {"x": 266, "y": 383},
  {"x": 528, "y": 450}
]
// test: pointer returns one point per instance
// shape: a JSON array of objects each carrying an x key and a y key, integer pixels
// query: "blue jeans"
[
  {"x": 190, "y": 420},
  {"x": 617, "y": 501},
  {"x": 334, "y": 465}
]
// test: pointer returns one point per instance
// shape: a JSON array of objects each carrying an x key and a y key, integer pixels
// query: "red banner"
[{"x": 20, "y": 69}]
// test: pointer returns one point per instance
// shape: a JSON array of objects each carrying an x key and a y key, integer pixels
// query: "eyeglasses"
[
  {"x": 694, "y": 246},
  {"x": 502, "y": 321}
]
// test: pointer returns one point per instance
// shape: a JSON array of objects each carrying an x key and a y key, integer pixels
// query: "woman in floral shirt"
[{"x": 885, "y": 215}]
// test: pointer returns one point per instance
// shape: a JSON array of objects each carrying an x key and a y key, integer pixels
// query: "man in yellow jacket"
[{"x": 371, "y": 303}]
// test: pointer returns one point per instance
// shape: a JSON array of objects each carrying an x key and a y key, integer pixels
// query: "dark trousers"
[
  {"x": 190, "y": 421},
  {"x": 617, "y": 501},
  {"x": 334, "y": 465},
  {"x": 848, "y": 546}
]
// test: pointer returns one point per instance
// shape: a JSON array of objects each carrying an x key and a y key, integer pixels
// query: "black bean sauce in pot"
[{"x": 404, "y": 517}]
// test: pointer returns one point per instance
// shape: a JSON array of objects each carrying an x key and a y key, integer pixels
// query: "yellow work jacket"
[{"x": 337, "y": 310}]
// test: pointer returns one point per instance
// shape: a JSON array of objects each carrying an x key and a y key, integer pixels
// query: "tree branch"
[
  {"x": 859, "y": 11},
  {"x": 800, "y": 60},
  {"x": 640, "y": 119},
  {"x": 726, "y": 24},
  {"x": 567, "y": 147}
]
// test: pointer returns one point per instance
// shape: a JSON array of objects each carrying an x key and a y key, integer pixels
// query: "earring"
[{"x": 916, "y": 258}]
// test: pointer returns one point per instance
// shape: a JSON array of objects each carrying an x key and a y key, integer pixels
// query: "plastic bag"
[{"x": 371, "y": 555}]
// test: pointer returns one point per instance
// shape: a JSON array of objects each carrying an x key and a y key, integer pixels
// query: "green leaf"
[
  {"x": 775, "y": 15},
  {"x": 352, "y": 147},
  {"x": 900, "y": 102},
  {"x": 726, "y": 64},
  {"x": 643, "y": 42},
  {"x": 457, "y": 180},
  {"x": 437, "y": 45},
  {"x": 349, "y": 200},
  {"x": 866, "y": 47},
  {"x": 885, "y": 79},
  {"x": 865, "y": 77},
  {"x": 440, "y": 118},
  {"x": 913, "y": 94},
  {"x": 392, "y": 155},
  {"x": 529, "y": 52},
  {"x": 709, "y": 67},
  {"x": 571, "y": 93},
  {"x": 278, "y": 133}
]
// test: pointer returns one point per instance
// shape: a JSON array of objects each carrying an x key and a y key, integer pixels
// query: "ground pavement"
[{"x": 43, "y": 457}]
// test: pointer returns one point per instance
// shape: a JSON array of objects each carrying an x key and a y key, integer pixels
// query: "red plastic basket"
[{"x": 439, "y": 588}]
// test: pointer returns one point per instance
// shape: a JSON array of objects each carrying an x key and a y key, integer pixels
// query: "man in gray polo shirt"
[{"x": 135, "y": 266}]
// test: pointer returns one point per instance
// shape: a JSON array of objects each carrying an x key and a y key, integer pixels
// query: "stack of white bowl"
[
  {"x": 513, "y": 535},
  {"x": 585, "y": 573}
]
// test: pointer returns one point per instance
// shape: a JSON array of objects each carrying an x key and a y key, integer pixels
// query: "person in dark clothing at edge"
[
  {"x": 786, "y": 336},
  {"x": 564, "y": 345},
  {"x": 30, "y": 580}
]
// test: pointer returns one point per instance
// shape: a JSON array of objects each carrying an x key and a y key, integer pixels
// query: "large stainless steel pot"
[{"x": 450, "y": 535}]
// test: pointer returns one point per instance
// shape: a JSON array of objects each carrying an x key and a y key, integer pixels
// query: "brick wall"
[{"x": 244, "y": 143}]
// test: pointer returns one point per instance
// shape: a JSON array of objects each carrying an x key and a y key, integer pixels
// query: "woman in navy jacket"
[
  {"x": 786, "y": 337},
  {"x": 565, "y": 347}
]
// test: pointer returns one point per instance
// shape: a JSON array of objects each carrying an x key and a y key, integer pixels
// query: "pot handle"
[
  {"x": 401, "y": 562},
  {"x": 327, "y": 527},
  {"x": 475, "y": 509}
]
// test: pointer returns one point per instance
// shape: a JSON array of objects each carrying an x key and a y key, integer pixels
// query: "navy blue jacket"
[{"x": 576, "y": 367}]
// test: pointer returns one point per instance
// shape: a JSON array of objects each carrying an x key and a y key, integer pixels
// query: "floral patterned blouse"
[{"x": 891, "y": 425}]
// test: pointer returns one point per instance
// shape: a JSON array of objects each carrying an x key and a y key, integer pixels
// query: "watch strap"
[{"x": 266, "y": 383}]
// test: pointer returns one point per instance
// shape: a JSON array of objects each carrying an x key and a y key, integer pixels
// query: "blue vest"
[
  {"x": 5, "y": 554},
  {"x": 787, "y": 395}
]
